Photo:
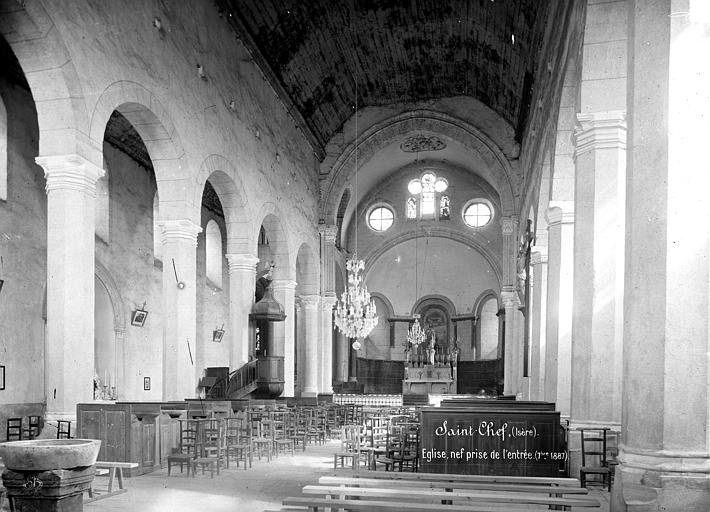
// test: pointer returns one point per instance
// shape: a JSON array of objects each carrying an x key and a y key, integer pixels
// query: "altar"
[{"x": 429, "y": 379}]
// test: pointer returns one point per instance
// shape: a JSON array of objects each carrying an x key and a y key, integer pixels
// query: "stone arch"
[
  {"x": 307, "y": 271},
  {"x": 442, "y": 232},
  {"x": 278, "y": 241},
  {"x": 436, "y": 306},
  {"x": 225, "y": 180},
  {"x": 478, "y": 306},
  {"x": 62, "y": 115},
  {"x": 385, "y": 301},
  {"x": 500, "y": 173},
  {"x": 483, "y": 297},
  {"x": 119, "y": 310},
  {"x": 152, "y": 121}
]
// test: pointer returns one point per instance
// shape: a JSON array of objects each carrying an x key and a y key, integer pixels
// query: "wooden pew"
[
  {"x": 314, "y": 504},
  {"x": 444, "y": 477},
  {"x": 557, "y": 491},
  {"x": 114, "y": 469},
  {"x": 412, "y": 495}
]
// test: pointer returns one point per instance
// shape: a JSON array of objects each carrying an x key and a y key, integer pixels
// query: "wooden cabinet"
[
  {"x": 503, "y": 440},
  {"x": 127, "y": 430}
]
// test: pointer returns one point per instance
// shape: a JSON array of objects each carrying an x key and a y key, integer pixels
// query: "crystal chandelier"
[
  {"x": 355, "y": 313},
  {"x": 416, "y": 335}
]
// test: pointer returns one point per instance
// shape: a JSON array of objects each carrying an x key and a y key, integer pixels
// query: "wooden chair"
[
  {"x": 351, "y": 448},
  {"x": 187, "y": 449},
  {"x": 594, "y": 455},
  {"x": 14, "y": 429},
  {"x": 63, "y": 429},
  {"x": 262, "y": 437},
  {"x": 211, "y": 449},
  {"x": 283, "y": 442},
  {"x": 238, "y": 441},
  {"x": 34, "y": 426}
]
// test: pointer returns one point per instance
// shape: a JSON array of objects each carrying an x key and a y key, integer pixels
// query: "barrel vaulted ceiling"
[{"x": 319, "y": 52}]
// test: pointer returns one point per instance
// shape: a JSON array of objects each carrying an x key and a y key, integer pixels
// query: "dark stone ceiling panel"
[{"x": 395, "y": 51}]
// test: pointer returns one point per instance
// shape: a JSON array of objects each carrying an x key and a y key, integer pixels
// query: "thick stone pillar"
[
  {"x": 513, "y": 340},
  {"x": 326, "y": 345},
  {"x": 71, "y": 191},
  {"x": 513, "y": 356},
  {"x": 600, "y": 156},
  {"x": 538, "y": 340},
  {"x": 180, "y": 308},
  {"x": 342, "y": 351},
  {"x": 327, "y": 259},
  {"x": 665, "y": 453},
  {"x": 242, "y": 285},
  {"x": 558, "y": 355},
  {"x": 284, "y": 332},
  {"x": 310, "y": 305}
]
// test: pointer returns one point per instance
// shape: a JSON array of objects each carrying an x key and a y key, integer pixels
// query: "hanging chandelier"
[
  {"x": 416, "y": 335},
  {"x": 355, "y": 313}
]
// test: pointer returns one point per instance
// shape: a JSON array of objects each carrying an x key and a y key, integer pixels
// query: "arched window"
[
  {"x": 444, "y": 211},
  {"x": 3, "y": 151},
  {"x": 427, "y": 188},
  {"x": 157, "y": 234},
  {"x": 213, "y": 256},
  {"x": 411, "y": 208},
  {"x": 488, "y": 329}
]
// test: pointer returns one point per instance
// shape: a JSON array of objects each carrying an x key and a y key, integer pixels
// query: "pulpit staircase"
[{"x": 237, "y": 384}]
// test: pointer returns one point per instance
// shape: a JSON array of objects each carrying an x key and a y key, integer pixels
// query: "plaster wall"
[
  {"x": 23, "y": 263},
  {"x": 271, "y": 157},
  {"x": 444, "y": 267},
  {"x": 128, "y": 258}
]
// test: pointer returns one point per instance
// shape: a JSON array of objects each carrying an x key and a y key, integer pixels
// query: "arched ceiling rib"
[{"x": 317, "y": 50}]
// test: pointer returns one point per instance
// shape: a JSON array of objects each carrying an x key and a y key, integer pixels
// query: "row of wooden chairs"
[{"x": 17, "y": 430}]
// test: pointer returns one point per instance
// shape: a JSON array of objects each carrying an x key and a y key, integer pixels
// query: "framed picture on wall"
[
  {"x": 138, "y": 317},
  {"x": 217, "y": 335},
  {"x": 2, "y": 377},
  {"x": 146, "y": 383}
]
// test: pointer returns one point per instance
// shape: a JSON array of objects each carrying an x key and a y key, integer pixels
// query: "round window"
[
  {"x": 477, "y": 214},
  {"x": 381, "y": 218}
]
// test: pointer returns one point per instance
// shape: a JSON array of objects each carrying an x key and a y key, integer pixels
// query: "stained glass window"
[
  {"x": 444, "y": 212},
  {"x": 411, "y": 208}
]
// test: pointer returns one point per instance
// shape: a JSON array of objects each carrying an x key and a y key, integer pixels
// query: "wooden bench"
[
  {"x": 467, "y": 497},
  {"x": 558, "y": 491},
  {"x": 391, "y": 491},
  {"x": 113, "y": 469}
]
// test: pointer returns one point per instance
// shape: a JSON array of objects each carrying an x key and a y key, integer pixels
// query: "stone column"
[
  {"x": 284, "y": 332},
  {"x": 600, "y": 156},
  {"x": 665, "y": 461},
  {"x": 120, "y": 337},
  {"x": 512, "y": 378},
  {"x": 327, "y": 259},
  {"x": 538, "y": 260},
  {"x": 326, "y": 345},
  {"x": 310, "y": 305},
  {"x": 560, "y": 225},
  {"x": 513, "y": 344},
  {"x": 341, "y": 357},
  {"x": 179, "y": 308},
  {"x": 71, "y": 191},
  {"x": 242, "y": 286}
]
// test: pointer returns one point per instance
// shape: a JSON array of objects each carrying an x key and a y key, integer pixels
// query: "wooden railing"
[{"x": 237, "y": 384}]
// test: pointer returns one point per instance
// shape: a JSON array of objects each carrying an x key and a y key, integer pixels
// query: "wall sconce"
[
  {"x": 217, "y": 334},
  {"x": 357, "y": 345},
  {"x": 139, "y": 315}
]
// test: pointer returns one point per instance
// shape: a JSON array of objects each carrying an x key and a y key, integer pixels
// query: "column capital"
[
  {"x": 600, "y": 130},
  {"x": 182, "y": 229},
  {"x": 243, "y": 262},
  {"x": 327, "y": 302},
  {"x": 538, "y": 255},
  {"x": 328, "y": 232},
  {"x": 509, "y": 225},
  {"x": 560, "y": 212},
  {"x": 69, "y": 172},
  {"x": 310, "y": 302},
  {"x": 283, "y": 284},
  {"x": 510, "y": 299}
]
